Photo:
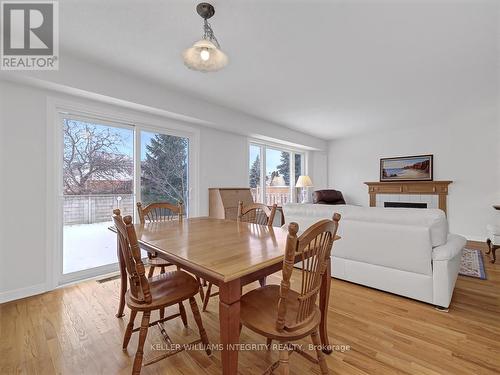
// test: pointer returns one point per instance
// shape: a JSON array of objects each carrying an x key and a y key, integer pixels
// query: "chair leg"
[
  {"x": 268, "y": 343},
  {"x": 151, "y": 271},
  {"x": 123, "y": 291},
  {"x": 284, "y": 355},
  {"x": 162, "y": 313},
  {"x": 162, "y": 269},
  {"x": 207, "y": 297},
  {"x": 262, "y": 282},
  {"x": 202, "y": 293},
  {"x": 136, "y": 370},
  {"x": 199, "y": 323},
  {"x": 130, "y": 327},
  {"x": 182, "y": 311},
  {"x": 488, "y": 242},
  {"x": 494, "y": 249},
  {"x": 321, "y": 358}
]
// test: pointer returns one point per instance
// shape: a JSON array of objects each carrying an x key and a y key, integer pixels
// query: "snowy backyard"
[{"x": 87, "y": 246}]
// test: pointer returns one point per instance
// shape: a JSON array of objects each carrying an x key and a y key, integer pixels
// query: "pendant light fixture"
[{"x": 205, "y": 55}]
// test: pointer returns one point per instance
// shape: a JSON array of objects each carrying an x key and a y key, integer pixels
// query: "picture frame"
[{"x": 407, "y": 168}]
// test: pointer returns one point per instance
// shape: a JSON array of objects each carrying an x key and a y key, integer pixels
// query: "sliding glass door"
[
  {"x": 108, "y": 165},
  {"x": 98, "y": 176},
  {"x": 164, "y": 168}
]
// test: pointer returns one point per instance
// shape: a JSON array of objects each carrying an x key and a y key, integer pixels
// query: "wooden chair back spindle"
[
  {"x": 313, "y": 247},
  {"x": 129, "y": 246},
  {"x": 256, "y": 213},
  {"x": 160, "y": 211}
]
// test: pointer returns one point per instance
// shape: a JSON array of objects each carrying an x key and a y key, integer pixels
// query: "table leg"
[
  {"x": 324, "y": 296},
  {"x": 123, "y": 279},
  {"x": 229, "y": 320}
]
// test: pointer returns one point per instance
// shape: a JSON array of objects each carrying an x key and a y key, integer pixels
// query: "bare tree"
[{"x": 91, "y": 153}]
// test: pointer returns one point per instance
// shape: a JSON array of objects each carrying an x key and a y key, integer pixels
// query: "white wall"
[
  {"x": 318, "y": 168},
  {"x": 466, "y": 150},
  {"x": 23, "y": 170},
  {"x": 222, "y": 162},
  {"x": 86, "y": 79}
]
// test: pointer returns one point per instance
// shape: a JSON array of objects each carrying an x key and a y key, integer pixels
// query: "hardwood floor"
[{"x": 73, "y": 330}]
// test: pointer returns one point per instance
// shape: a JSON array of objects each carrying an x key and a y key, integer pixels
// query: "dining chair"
[
  {"x": 154, "y": 212},
  {"x": 256, "y": 213},
  {"x": 157, "y": 293},
  {"x": 158, "y": 212},
  {"x": 281, "y": 313}
]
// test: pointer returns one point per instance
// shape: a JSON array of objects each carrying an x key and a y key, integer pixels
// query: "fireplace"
[
  {"x": 405, "y": 204},
  {"x": 432, "y": 194}
]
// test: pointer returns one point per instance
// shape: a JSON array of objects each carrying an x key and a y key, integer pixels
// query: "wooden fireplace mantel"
[{"x": 439, "y": 188}]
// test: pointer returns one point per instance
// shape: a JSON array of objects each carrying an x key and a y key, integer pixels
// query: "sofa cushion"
[
  {"x": 450, "y": 249},
  {"x": 403, "y": 247},
  {"x": 433, "y": 219}
]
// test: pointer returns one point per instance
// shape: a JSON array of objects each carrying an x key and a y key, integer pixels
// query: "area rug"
[{"x": 472, "y": 264}]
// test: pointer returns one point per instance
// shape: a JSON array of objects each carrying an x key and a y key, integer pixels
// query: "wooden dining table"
[{"x": 229, "y": 254}]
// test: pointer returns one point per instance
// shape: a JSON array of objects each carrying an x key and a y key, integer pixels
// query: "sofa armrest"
[{"x": 450, "y": 249}]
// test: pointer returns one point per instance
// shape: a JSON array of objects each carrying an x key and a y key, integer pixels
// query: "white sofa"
[{"x": 399, "y": 250}]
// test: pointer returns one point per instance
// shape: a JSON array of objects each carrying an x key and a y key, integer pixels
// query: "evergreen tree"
[
  {"x": 298, "y": 166},
  {"x": 255, "y": 173},
  {"x": 164, "y": 172},
  {"x": 284, "y": 166}
]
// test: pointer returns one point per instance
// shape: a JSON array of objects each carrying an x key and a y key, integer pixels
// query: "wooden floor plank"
[{"x": 73, "y": 330}]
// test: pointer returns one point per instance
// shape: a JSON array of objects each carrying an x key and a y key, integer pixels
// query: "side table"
[{"x": 493, "y": 240}]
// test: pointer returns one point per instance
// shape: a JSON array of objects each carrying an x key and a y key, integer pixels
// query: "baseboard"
[
  {"x": 32, "y": 290},
  {"x": 28, "y": 291},
  {"x": 90, "y": 278},
  {"x": 476, "y": 238}
]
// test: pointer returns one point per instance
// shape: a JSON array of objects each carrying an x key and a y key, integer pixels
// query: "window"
[
  {"x": 277, "y": 177},
  {"x": 298, "y": 172},
  {"x": 255, "y": 172},
  {"x": 273, "y": 173}
]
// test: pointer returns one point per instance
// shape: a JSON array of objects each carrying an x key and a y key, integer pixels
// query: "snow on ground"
[{"x": 87, "y": 246}]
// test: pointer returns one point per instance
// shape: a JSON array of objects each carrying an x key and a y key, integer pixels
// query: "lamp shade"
[
  {"x": 204, "y": 56},
  {"x": 278, "y": 181},
  {"x": 304, "y": 181}
]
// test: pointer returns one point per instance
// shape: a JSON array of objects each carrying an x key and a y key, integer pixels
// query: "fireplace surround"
[{"x": 432, "y": 193}]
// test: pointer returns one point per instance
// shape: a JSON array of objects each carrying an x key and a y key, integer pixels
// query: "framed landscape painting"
[{"x": 407, "y": 168}]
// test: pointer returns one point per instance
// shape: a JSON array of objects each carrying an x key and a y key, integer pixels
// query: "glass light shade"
[
  {"x": 193, "y": 57},
  {"x": 304, "y": 181}
]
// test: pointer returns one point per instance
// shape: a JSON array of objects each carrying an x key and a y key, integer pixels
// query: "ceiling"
[{"x": 326, "y": 68}]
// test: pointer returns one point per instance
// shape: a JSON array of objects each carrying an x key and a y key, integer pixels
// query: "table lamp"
[
  {"x": 304, "y": 182},
  {"x": 278, "y": 181}
]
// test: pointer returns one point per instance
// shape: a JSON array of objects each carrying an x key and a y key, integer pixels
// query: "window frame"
[
  {"x": 105, "y": 114},
  {"x": 263, "y": 146}
]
